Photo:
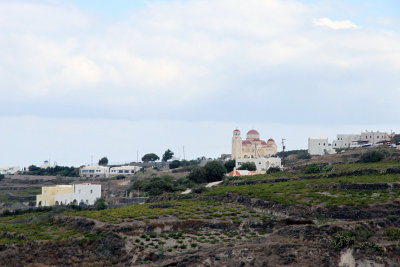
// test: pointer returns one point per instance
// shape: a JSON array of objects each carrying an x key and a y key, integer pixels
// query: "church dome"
[
  {"x": 263, "y": 142},
  {"x": 236, "y": 130},
  {"x": 246, "y": 142},
  {"x": 271, "y": 140},
  {"x": 253, "y": 132}
]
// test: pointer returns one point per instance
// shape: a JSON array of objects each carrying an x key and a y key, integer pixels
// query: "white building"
[
  {"x": 124, "y": 170},
  {"x": 319, "y": 146},
  {"x": 374, "y": 137},
  {"x": 9, "y": 170},
  {"x": 262, "y": 164},
  {"x": 95, "y": 171},
  {"x": 346, "y": 141},
  {"x": 83, "y": 194},
  {"x": 79, "y": 194}
]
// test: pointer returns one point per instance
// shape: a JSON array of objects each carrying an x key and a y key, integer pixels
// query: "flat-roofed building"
[
  {"x": 9, "y": 170},
  {"x": 124, "y": 170},
  {"x": 78, "y": 194},
  {"x": 374, "y": 137},
  {"x": 319, "y": 146},
  {"x": 346, "y": 141},
  {"x": 95, "y": 171}
]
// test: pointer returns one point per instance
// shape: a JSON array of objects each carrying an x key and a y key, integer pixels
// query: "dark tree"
[
  {"x": 100, "y": 204},
  {"x": 103, "y": 161},
  {"x": 198, "y": 175},
  {"x": 175, "y": 164},
  {"x": 150, "y": 157},
  {"x": 167, "y": 155},
  {"x": 230, "y": 165},
  {"x": 250, "y": 166},
  {"x": 215, "y": 171}
]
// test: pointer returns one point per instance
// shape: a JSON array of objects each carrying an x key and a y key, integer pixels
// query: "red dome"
[
  {"x": 236, "y": 130},
  {"x": 263, "y": 142},
  {"x": 252, "y": 132},
  {"x": 246, "y": 142},
  {"x": 271, "y": 140}
]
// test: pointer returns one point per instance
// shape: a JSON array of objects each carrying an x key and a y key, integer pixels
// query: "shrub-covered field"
[
  {"x": 316, "y": 191},
  {"x": 183, "y": 209}
]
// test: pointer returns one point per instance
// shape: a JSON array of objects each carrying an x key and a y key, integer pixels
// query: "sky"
[{"x": 80, "y": 80}]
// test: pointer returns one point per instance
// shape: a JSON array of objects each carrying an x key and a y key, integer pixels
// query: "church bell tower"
[{"x": 236, "y": 145}]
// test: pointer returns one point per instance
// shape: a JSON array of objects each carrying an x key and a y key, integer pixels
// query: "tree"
[
  {"x": 100, "y": 204},
  {"x": 103, "y": 161},
  {"x": 167, "y": 155},
  {"x": 215, "y": 171},
  {"x": 174, "y": 164},
  {"x": 150, "y": 157},
  {"x": 250, "y": 166},
  {"x": 230, "y": 165},
  {"x": 198, "y": 175}
]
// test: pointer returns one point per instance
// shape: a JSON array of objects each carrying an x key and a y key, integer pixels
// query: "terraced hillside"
[{"x": 349, "y": 214}]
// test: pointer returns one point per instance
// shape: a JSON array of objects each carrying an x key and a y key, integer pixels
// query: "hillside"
[{"x": 348, "y": 213}]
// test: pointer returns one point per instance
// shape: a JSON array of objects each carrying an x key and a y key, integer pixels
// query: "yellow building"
[
  {"x": 253, "y": 146},
  {"x": 49, "y": 193}
]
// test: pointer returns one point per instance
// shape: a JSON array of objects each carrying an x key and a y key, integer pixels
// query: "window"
[{"x": 91, "y": 191}]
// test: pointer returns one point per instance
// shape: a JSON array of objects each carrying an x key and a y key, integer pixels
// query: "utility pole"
[
  {"x": 184, "y": 157},
  {"x": 283, "y": 150}
]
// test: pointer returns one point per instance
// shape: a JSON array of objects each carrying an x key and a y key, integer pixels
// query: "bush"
[
  {"x": 343, "y": 239},
  {"x": 274, "y": 170},
  {"x": 175, "y": 164},
  {"x": 318, "y": 168},
  {"x": 250, "y": 166},
  {"x": 100, "y": 204},
  {"x": 197, "y": 175},
  {"x": 372, "y": 155},
  {"x": 1, "y": 177},
  {"x": 392, "y": 233}
]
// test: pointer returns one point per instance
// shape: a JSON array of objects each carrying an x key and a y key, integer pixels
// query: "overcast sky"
[{"x": 110, "y": 78}]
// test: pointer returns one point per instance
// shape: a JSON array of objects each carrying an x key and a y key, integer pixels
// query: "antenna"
[
  {"x": 184, "y": 157},
  {"x": 137, "y": 156}
]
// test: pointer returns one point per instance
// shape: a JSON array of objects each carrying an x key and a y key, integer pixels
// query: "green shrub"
[
  {"x": 343, "y": 239},
  {"x": 250, "y": 166},
  {"x": 100, "y": 204},
  {"x": 318, "y": 168},
  {"x": 153, "y": 235},
  {"x": 198, "y": 175},
  {"x": 175, "y": 164},
  {"x": 392, "y": 233},
  {"x": 372, "y": 155}
]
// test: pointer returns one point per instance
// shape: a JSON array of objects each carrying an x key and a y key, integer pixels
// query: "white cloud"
[{"x": 335, "y": 25}]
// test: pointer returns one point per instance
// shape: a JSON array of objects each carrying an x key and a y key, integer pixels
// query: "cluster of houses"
[{"x": 321, "y": 145}]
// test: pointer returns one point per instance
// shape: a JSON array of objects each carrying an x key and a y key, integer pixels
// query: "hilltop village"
[{"x": 335, "y": 204}]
